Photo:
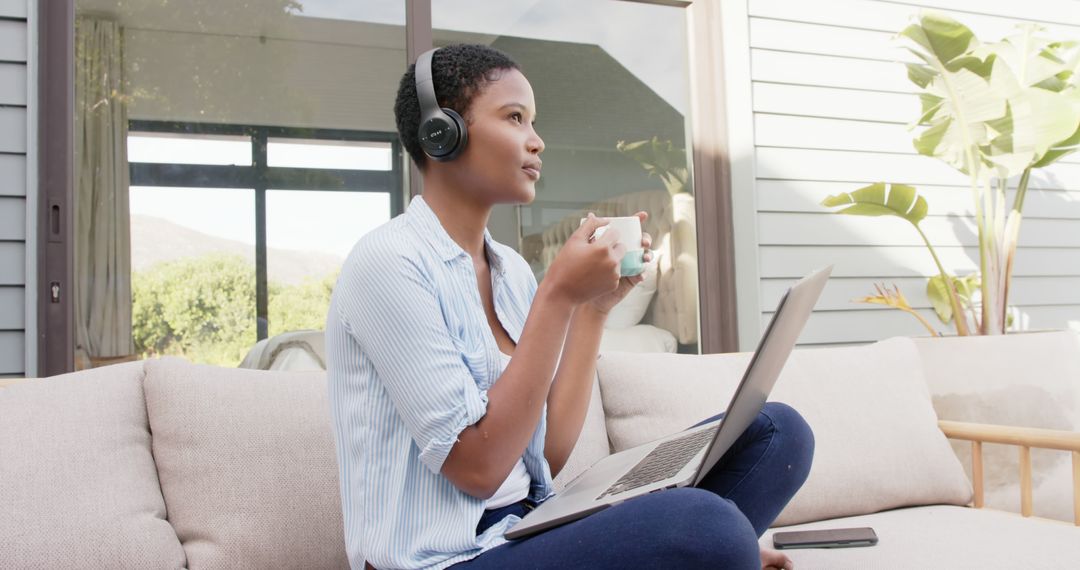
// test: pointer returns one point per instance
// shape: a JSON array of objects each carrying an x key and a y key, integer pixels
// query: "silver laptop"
[{"x": 684, "y": 458}]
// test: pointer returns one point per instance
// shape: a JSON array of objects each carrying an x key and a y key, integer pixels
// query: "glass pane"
[
  {"x": 193, "y": 273},
  {"x": 174, "y": 84},
  {"x": 599, "y": 89},
  {"x": 297, "y": 63},
  {"x": 345, "y": 155},
  {"x": 171, "y": 148},
  {"x": 304, "y": 259}
]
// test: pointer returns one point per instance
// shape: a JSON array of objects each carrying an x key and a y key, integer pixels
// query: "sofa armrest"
[
  {"x": 1025, "y": 438},
  {"x": 5, "y": 382}
]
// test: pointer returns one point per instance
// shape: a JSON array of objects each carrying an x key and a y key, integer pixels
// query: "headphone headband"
[{"x": 425, "y": 87}]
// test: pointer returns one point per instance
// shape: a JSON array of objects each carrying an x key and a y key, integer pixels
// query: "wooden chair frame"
[{"x": 1025, "y": 438}]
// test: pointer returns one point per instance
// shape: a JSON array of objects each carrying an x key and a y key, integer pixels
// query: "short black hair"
[{"x": 459, "y": 73}]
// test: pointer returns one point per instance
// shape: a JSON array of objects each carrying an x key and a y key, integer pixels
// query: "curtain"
[{"x": 102, "y": 224}]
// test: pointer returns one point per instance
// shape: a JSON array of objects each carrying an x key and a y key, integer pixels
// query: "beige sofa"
[{"x": 163, "y": 464}]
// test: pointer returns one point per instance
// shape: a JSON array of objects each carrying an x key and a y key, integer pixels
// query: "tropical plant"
[
  {"x": 661, "y": 159},
  {"x": 995, "y": 112}
]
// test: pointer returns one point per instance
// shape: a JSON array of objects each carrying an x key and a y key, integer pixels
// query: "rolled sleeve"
[
  {"x": 391, "y": 309},
  {"x": 434, "y": 454}
]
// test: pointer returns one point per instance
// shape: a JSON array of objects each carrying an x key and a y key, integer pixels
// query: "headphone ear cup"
[{"x": 462, "y": 139}]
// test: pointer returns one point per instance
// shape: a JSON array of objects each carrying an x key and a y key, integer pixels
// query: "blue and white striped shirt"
[{"x": 410, "y": 357}]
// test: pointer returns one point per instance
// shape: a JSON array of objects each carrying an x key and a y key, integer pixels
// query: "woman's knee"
[
  {"x": 705, "y": 530},
  {"x": 796, "y": 434}
]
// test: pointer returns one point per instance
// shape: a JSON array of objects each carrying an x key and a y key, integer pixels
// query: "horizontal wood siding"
[
  {"x": 12, "y": 175},
  {"x": 13, "y": 127},
  {"x": 12, "y": 219},
  {"x": 13, "y": 9},
  {"x": 831, "y": 106},
  {"x": 12, "y": 83},
  {"x": 12, "y": 350},
  {"x": 14, "y": 50},
  {"x": 12, "y": 316}
]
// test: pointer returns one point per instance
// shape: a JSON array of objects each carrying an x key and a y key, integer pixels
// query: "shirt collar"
[{"x": 423, "y": 218}]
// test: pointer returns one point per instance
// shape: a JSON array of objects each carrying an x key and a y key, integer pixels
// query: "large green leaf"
[
  {"x": 1034, "y": 58},
  {"x": 958, "y": 96},
  {"x": 920, "y": 75},
  {"x": 937, "y": 291},
  {"x": 1036, "y": 121},
  {"x": 1008, "y": 105},
  {"x": 939, "y": 296},
  {"x": 881, "y": 199},
  {"x": 930, "y": 105},
  {"x": 940, "y": 35},
  {"x": 1060, "y": 149}
]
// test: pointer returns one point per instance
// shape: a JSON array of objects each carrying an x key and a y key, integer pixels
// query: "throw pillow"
[
  {"x": 247, "y": 465},
  {"x": 78, "y": 486},
  {"x": 638, "y": 338},
  {"x": 633, "y": 307}
]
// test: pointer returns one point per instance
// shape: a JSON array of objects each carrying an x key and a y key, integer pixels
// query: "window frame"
[{"x": 261, "y": 177}]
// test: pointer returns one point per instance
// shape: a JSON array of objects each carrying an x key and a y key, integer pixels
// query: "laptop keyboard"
[{"x": 665, "y": 461}]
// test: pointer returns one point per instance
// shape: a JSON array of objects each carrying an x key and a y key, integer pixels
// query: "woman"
[{"x": 458, "y": 387}]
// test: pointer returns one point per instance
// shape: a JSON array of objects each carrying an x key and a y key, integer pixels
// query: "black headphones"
[{"x": 442, "y": 131}]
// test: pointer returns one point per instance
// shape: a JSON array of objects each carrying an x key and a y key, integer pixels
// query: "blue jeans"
[{"x": 715, "y": 525}]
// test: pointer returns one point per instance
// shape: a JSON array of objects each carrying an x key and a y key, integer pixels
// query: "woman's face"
[{"x": 501, "y": 162}]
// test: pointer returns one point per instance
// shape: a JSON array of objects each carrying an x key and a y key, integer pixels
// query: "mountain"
[{"x": 154, "y": 240}]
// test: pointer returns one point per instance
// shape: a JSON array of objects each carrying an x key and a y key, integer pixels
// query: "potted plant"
[
  {"x": 995, "y": 112},
  {"x": 660, "y": 158}
]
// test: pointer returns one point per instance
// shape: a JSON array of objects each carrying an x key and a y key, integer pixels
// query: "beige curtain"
[{"x": 102, "y": 223}]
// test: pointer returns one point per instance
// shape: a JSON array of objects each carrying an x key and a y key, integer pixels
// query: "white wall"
[
  {"x": 830, "y": 102},
  {"x": 14, "y": 100}
]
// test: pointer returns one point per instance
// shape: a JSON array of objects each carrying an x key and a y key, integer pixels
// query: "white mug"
[{"x": 629, "y": 228}]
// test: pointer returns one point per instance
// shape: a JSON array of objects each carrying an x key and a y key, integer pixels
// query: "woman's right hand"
[{"x": 584, "y": 269}]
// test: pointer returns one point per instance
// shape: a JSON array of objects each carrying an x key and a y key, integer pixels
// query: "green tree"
[
  {"x": 203, "y": 308},
  {"x": 301, "y": 306},
  {"x": 200, "y": 308}
]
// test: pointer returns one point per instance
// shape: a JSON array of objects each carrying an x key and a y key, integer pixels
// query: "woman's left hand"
[
  {"x": 774, "y": 560},
  {"x": 605, "y": 303}
]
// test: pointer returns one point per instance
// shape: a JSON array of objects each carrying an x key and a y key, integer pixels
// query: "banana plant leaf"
[
  {"x": 938, "y": 294},
  {"x": 881, "y": 199},
  {"x": 1006, "y": 105}
]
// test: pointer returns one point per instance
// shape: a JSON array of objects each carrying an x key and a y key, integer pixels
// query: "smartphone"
[{"x": 825, "y": 538}]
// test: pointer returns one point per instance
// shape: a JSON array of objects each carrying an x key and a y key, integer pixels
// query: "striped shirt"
[{"x": 410, "y": 358}]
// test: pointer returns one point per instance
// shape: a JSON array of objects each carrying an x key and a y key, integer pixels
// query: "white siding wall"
[
  {"x": 830, "y": 103},
  {"x": 14, "y": 55}
]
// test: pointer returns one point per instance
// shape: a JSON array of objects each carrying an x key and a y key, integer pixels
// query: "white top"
[{"x": 516, "y": 485}]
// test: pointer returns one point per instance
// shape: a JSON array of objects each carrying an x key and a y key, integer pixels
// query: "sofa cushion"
[
  {"x": 943, "y": 537},
  {"x": 78, "y": 485},
  {"x": 877, "y": 441},
  {"x": 247, "y": 465},
  {"x": 592, "y": 444}
]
